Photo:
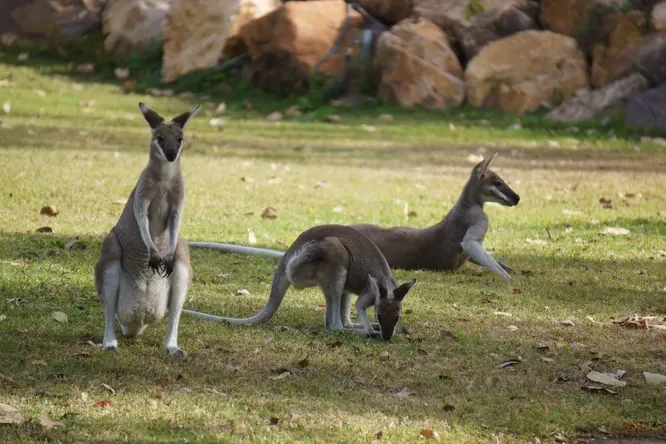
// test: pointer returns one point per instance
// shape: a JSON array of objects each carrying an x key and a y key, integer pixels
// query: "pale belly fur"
[{"x": 143, "y": 299}]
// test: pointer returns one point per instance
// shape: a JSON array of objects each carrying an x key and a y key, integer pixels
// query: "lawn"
[{"x": 79, "y": 143}]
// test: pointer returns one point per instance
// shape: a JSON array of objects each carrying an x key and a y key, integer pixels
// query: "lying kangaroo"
[
  {"x": 457, "y": 238},
  {"x": 144, "y": 265},
  {"x": 340, "y": 261}
]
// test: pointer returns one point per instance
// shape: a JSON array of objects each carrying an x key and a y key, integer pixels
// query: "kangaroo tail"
[
  {"x": 231, "y": 248},
  {"x": 278, "y": 290}
]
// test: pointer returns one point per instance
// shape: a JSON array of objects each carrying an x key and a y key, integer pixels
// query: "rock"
[
  {"x": 389, "y": 12},
  {"x": 589, "y": 104},
  {"x": 570, "y": 17},
  {"x": 647, "y": 110},
  {"x": 526, "y": 71},
  {"x": 47, "y": 19},
  {"x": 417, "y": 66},
  {"x": 194, "y": 34},
  {"x": 247, "y": 11},
  {"x": 278, "y": 73},
  {"x": 658, "y": 16},
  {"x": 288, "y": 34},
  {"x": 625, "y": 29},
  {"x": 491, "y": 25},
  {"x": 645, "y": 56},
  {"x": 133, "y": 25}
]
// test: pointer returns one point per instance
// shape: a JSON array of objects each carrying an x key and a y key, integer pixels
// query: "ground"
[{"x": 79, "y": 143}]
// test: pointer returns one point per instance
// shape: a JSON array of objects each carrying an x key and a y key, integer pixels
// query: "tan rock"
[
  {"x": 456, "y": 13},
  {"x": 645, "y": 56},
  {"x": 417, "y": 66},
  {"x": 526, "y": 71},
  {"x": 194, "y": 33},
  {"x": 658, "y": 16},
  {"x": 388, "y": 11},
  {"x": 570, "y": 17},
  {"x": 306, "y": 31},
  {"x": 50, "y": 18},
  {"x": 624, "y": 30},
  {"x": 247, "y": 11},
  {"x": 133, "y": 25}
]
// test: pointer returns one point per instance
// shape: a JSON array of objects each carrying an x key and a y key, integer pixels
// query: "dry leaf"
[
  {"x": 218, "y": 121},
  {"x": 596, "y": 389},
  {"x": 44, "y": 230},
  {"x": 70, "y": 243},
  {"x": 448, "y": 408},
  {"x": 635, "y": 321},
  {"x": 158, "y": 393},
  {"x": 474, "y": 158},
  {"x": 303, "y": 363},
  {"x": 7, "y": 107},
  {"x": 9, "y": 415},
  {"x": 282, "y": 375},
  {"x": 275, "y": 420},
  {"x": 447, "y": 335},
  {"x": 379, "y": 435},
  {"x": 606, "y": 379},
  {"x": 503, "y": 313},
  {"x": 427, "y": 433},
  {"x": 510, "y": 362},
  {"x": 251, "y": 238},
  {"x": 59, "y": 316},
  {"x": 243, "y": 292},
  {"x": 654, "y": 378},
  {"x": 491, "y": 381},
  {"x": 104, "y": 403},
  {"x": 368, "y": 128},
  {"x": 384, "y": 356},
  {"x": 402, "y": 393},
  {"x": 614, "y": 231},
  {"x": 385, "y": 117},
  {"x": 269, "y": 213},
  {"x": 109, "y": 388},
  {"x": 48, "y": 423},
  {"x": 333, "y": 118},
  {"x": 275, "y": 116},
  {"x": 337, "y": 209},
  {"x": 2, "y": 317},
  {"x": 49, "y": 210},
  {"x": 605, "y": 201},
  {"x": 119, "y": 202},
  {"x": 38, "y": 362},
  {"x": 335, "y": 344},
  {"x": 512, "y": 327}
]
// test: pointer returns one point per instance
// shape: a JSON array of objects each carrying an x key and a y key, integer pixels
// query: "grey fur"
[
  {"x": 340, "y": 261},
  {"x": 457, "y": 238},
  {"x": 144, "y": 265}
]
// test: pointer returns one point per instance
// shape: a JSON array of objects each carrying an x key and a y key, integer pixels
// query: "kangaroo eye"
[
  {"x": 180, "y": 140},
  {"x": 497, "y": 183},
  {"x": 160, "y": 140}
]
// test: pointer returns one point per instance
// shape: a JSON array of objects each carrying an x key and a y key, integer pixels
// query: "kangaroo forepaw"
[
  {"x": 168, "y": 266},
  {"x": 177, "y": 352},
  {"x": 156, "y": 263}
]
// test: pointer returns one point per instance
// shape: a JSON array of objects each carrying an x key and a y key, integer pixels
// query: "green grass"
[{"x": 57, "y": 152}]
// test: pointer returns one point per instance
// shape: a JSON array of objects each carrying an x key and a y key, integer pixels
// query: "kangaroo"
[
  {"x": 341, "y": 261},
  {"x": 457, "y": 238},
  {"x": 144, "y": 265}
]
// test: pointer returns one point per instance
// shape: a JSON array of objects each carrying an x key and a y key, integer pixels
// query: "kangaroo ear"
[
  {"x": 400, "y": 292},
  {"x": 153, "y": 119},
  {"x": 483, "y": 166},
  {"x": 377, "y": 288},
  {"x": 182, "y": 120}
]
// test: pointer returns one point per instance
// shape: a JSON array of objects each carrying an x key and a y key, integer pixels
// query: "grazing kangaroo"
[
  {"x": 341, "y": 261},
  {"x": 144, "y": 265},
  {"x": 457, "y": 238}
]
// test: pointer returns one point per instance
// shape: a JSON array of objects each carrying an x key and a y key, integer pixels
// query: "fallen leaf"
[
  {"x": 251, "y": 238},
  {"x": 474, "y": 158},
  {"x": 404, "y": 393},
  {"x": 81, "y": 355},
  {"x": 59, "y": 316},
  {"x": 159, "y": 394},
  {"x": 104, "y": 403},
  {"x": 654, "y": 378},
  {"x": 217, "y": 121},
  {"x": 333, "y": 118},
  {"x": 163, "y": 380},
  {"x": 635, "y": 321},
  {"x": 109, "y": 388},
  {"x": 571, "y": 322},
  {"x": 48, "y": 423},
  {"x": 368, "y": 128},
  {"x": 512, "y": 327},
  {"x": 385, "y": 117},
  {"x": 448, "y": 408},
  {"x": 614, "y": 231},
  {"x": 282, "y": 375},
  {"x": 379, "y": 435},
  {"x": 9, "y": 415},
  {"x": 560, "y": 438},
  {"x": 84, "y": 396},
  {"x": 269, "y": 213},
  {"x": 503, "y": 313},
  {"x": 303, "y": 363},
  {"x": 44, "y": 230},
  {"x": 7, "y": 107},
  {"x": 384, "y": 356},
  {"x": 38, "y": 362},
  {"x": 73, "y": 241},
  {"x": 49, "y": 210},
  {"x": 515, "y": 290},
  {"x": 605, "y": 200},
  {"x": 275, "y": 421},
  {"x": 335, "y": 344},
  {"x": 447, "y": 335},
  {"x": 427, "y": 433},
  {"x": 2, "y": 317},
  {"x": 491, "y": 381},
  {"x": 412, "y": 214},
  {"x": 548, "y": 360},
  {"x": 510, "y": 362},
  {"x": 243, "y": 292},
  {"x": 337, "y": 209},
  {"x": 275, "y": 116},
  {"x": 596, "y": 389},
  {"x": 606, "y": 379}
]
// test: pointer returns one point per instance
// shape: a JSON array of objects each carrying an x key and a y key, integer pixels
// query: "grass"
[{"x": 341, "y": 387}]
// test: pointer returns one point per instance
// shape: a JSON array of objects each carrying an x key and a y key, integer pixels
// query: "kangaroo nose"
[{"x": 517, "y": 199}]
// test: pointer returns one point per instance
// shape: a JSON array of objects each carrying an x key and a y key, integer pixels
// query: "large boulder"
[
  {"x": 646, "y": 57},
  {"x": 624, "y": 29},
  {"x": 247, "y": 11},
  {"x": 658, "y": 16},
  {"x": 647, "y": 110},
  {"x": 417, "y": 66},
  {"x": 452, "y": 14},
  {"x": 526, "y": 71},
  {"x": 133, "y": 25},
  {"x": 389, "y": 12},
  {"x": 306, "y": 31},
  {"x": 194, "y": 33},
  {"x": 571, "y": 17},
  {"x": 40, "y": 20}
]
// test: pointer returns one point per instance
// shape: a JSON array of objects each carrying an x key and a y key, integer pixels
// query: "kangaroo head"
[
  {"x": 167, "y": 142},
  {"x": 388, "y": 305},
  {"x": 491, "y": 187}
]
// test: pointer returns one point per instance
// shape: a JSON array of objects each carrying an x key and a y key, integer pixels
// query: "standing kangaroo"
[
  {"x": 144, "y": 265},
  {"x": 457, "y": 238},
  {"x": 340, "y": 261},
  {"x": 444, "y": 246}
]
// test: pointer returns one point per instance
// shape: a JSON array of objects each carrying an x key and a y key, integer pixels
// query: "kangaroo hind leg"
[
  {"x": 107, "y": 281},
  {"x": 181, "y": 278}
]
